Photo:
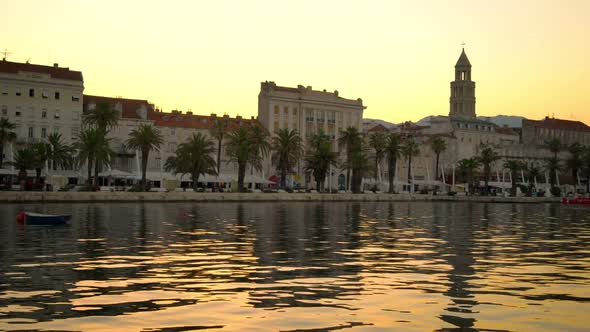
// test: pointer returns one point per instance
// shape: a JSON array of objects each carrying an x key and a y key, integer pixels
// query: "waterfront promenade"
[{"x": 35, "y": 197}]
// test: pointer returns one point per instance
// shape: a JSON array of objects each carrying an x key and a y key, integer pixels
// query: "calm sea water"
[{"x": 297, "y": 267}]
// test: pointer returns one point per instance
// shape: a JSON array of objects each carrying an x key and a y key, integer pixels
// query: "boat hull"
[
  {"x": 38, "y": 219},
  {"x": 576, "y": 201}
]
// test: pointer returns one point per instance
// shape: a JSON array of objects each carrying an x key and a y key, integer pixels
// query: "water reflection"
[{"x": 297, "y": 267}]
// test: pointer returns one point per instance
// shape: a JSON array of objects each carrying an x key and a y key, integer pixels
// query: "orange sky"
[{"x": 529, "y": 58}]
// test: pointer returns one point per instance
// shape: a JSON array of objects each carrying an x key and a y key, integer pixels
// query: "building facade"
[{"x": 40, "y": 100}]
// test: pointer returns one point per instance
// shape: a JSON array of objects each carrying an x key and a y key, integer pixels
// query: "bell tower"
[{"x": 462, "y": 90}]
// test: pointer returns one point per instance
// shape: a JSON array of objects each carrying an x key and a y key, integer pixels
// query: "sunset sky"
[{"x": 529, "y": 58}]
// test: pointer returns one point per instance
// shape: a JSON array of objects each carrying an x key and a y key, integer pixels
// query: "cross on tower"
[
  {"x": 5, "y": 53},
  {"x": 463, "y": 44}
]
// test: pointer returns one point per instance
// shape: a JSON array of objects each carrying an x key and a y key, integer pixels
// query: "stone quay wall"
[{"x": 73, "y": 197}]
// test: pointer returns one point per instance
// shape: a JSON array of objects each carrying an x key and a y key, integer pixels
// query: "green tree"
[
  {"x": 487, "y": 157},
  {"x": 514, "y": 166},
  {"x": 246, "y": 146},
  {"x": 466, "y": 169},
  {"x": 103, "y": 117},
  {"x": 575, "y": 160},
  {"x": 320, "y": 158},
  {"x": 410, "y": 149},
  {"x": 552, "y": 165},
  {"x": 378, "y": 142},
  {"x": 359, "y": 164},
  {"x": 145, "y": 138},
  {"x": 533, "y": 173},
  {"x": 218, "y": 131},
  {"x": 287, "y": 150},
  {"x": 193, "y": 157},
  {"x": 93, "y": 149},
  {"x": 24, "y": 159},
  {"x": 41, "y": 155},
  {"x": 7, "y": 135},
  {"x": 554, "y": 146},
  {"x": 59, "y": 154},
  {"x": 392, "y": 151},
  {"x": 438, "y": 146},
  {"x": 349, "y": 139}
]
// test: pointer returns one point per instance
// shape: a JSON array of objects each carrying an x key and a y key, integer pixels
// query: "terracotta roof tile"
[
  {"x": 177, "y": 119},
  {"x": 55, "y": 72},
  {"x": 552, "y": 123},
  {"x": 379, "y": 127},
  {"x": 129, "y": 106}
]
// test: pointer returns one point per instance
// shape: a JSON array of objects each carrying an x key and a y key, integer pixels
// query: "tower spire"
[{"x": 462, "y": 101}]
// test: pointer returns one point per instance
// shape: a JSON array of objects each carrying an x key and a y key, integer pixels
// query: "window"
[
  {"x": 44, "y": 114},
  {"x": 18, "y": 112},
  {"x": 75, "y": 131},
  {"x": 43, "y": 132},
  {"x": 31, "y": 112},
  {"x": 5, "y": 90},
  {"x": 44, "y": 94},
  {"x": 56, "y": 130},
  {"x": 31, "y": 132},
  {"x": 57, "y": 116},
  {"x": 75, "y": 98},
  {"x": 75, "y": 116},
  {"x": 18, "y": 91},
  {"x": 4, "y": 110},
  {"x": 31, "y": 92},
  {"x": 56, "y": 95}
]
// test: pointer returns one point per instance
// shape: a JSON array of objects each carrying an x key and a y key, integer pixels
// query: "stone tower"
[{"x": 462, "y": 90}]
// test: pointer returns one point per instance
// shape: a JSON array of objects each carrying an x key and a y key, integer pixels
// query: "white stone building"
[
  {"x": 40, "y": 100},
  {"x": 308, "y": 111}
]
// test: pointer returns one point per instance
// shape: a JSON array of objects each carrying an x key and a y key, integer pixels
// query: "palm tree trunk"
[
  {"x": 437, "y": 164},
  {"x": 241, "y": 176},
  {"x": 391, "y": 175},
  {"x": 195, "y": 177},
  {"x": 144, "y": 162},
  {"x": 219, "y": 156},
  {"x": 1, "y": 154},
  {"x": 89, "y": 169},
  {"x": 487, "y": 179},
  {"x": 283, "y": 177},
  {"x": 96, "y": 171},
  {"x": 37, "y": 175},
  {"x": 347, "y": 179}
]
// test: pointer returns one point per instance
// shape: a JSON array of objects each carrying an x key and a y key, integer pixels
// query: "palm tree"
[
  {"x": 7, "y": 135},
  {"x": 487, "y": 156},
  {"x": 466, "y": 169},
  {"x": 93, "y": 148},
  {"x": 438, "y": 146},
  {"x": 287, "y": 151},
  {"x": 410, "y": 149},
  {"x": 59, "y": 154},
  {"x": 552, "y": 165},
  {"x": 193, "y": 157},
  {"x": 41, "y": 155},
  {"x": 554, "y": 146},
  {"x": 24, "y": 159},
  {"x": 359, "y": 163},
  {"x": 378, "y": 141},
  {"x": 103, "y": 117},
  {"x": 246, "y": 146},
  {"x": 533, "y": 173},
  {"x": 392, "y": 151},
  {"x": 217, "y": 131},
  {"x": 574, "y": 163},
  {"x": 514, "y": 166},
  {"x": 320, "y": 158},
  {"x": 145, "y": 139},
  {"x": 349, "y": 139}
]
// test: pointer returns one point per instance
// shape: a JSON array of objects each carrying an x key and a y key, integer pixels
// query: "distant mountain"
[
  {"x": 511, "y": 121},
  {"x": 370, "y": 123}
]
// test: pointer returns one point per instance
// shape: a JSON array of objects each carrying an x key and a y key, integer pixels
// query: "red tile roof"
[
  {"x": 177, "y": 119},
  {"x": 552, "y": 123},
  {"x": 55, "y": 72},
  {"x": 129, "y": 106}
]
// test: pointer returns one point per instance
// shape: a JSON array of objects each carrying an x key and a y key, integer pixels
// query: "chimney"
[
  {"x": 213, "y": 115},
  {"x": 56, "y": 65},
  {"x": 189, "y": 113},
  {"x": 238, "y": 117},
  {"x": 252, "y": 117}
]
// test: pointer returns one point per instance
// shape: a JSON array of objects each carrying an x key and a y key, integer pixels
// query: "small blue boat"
[{"x": 31, "y": 218}]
